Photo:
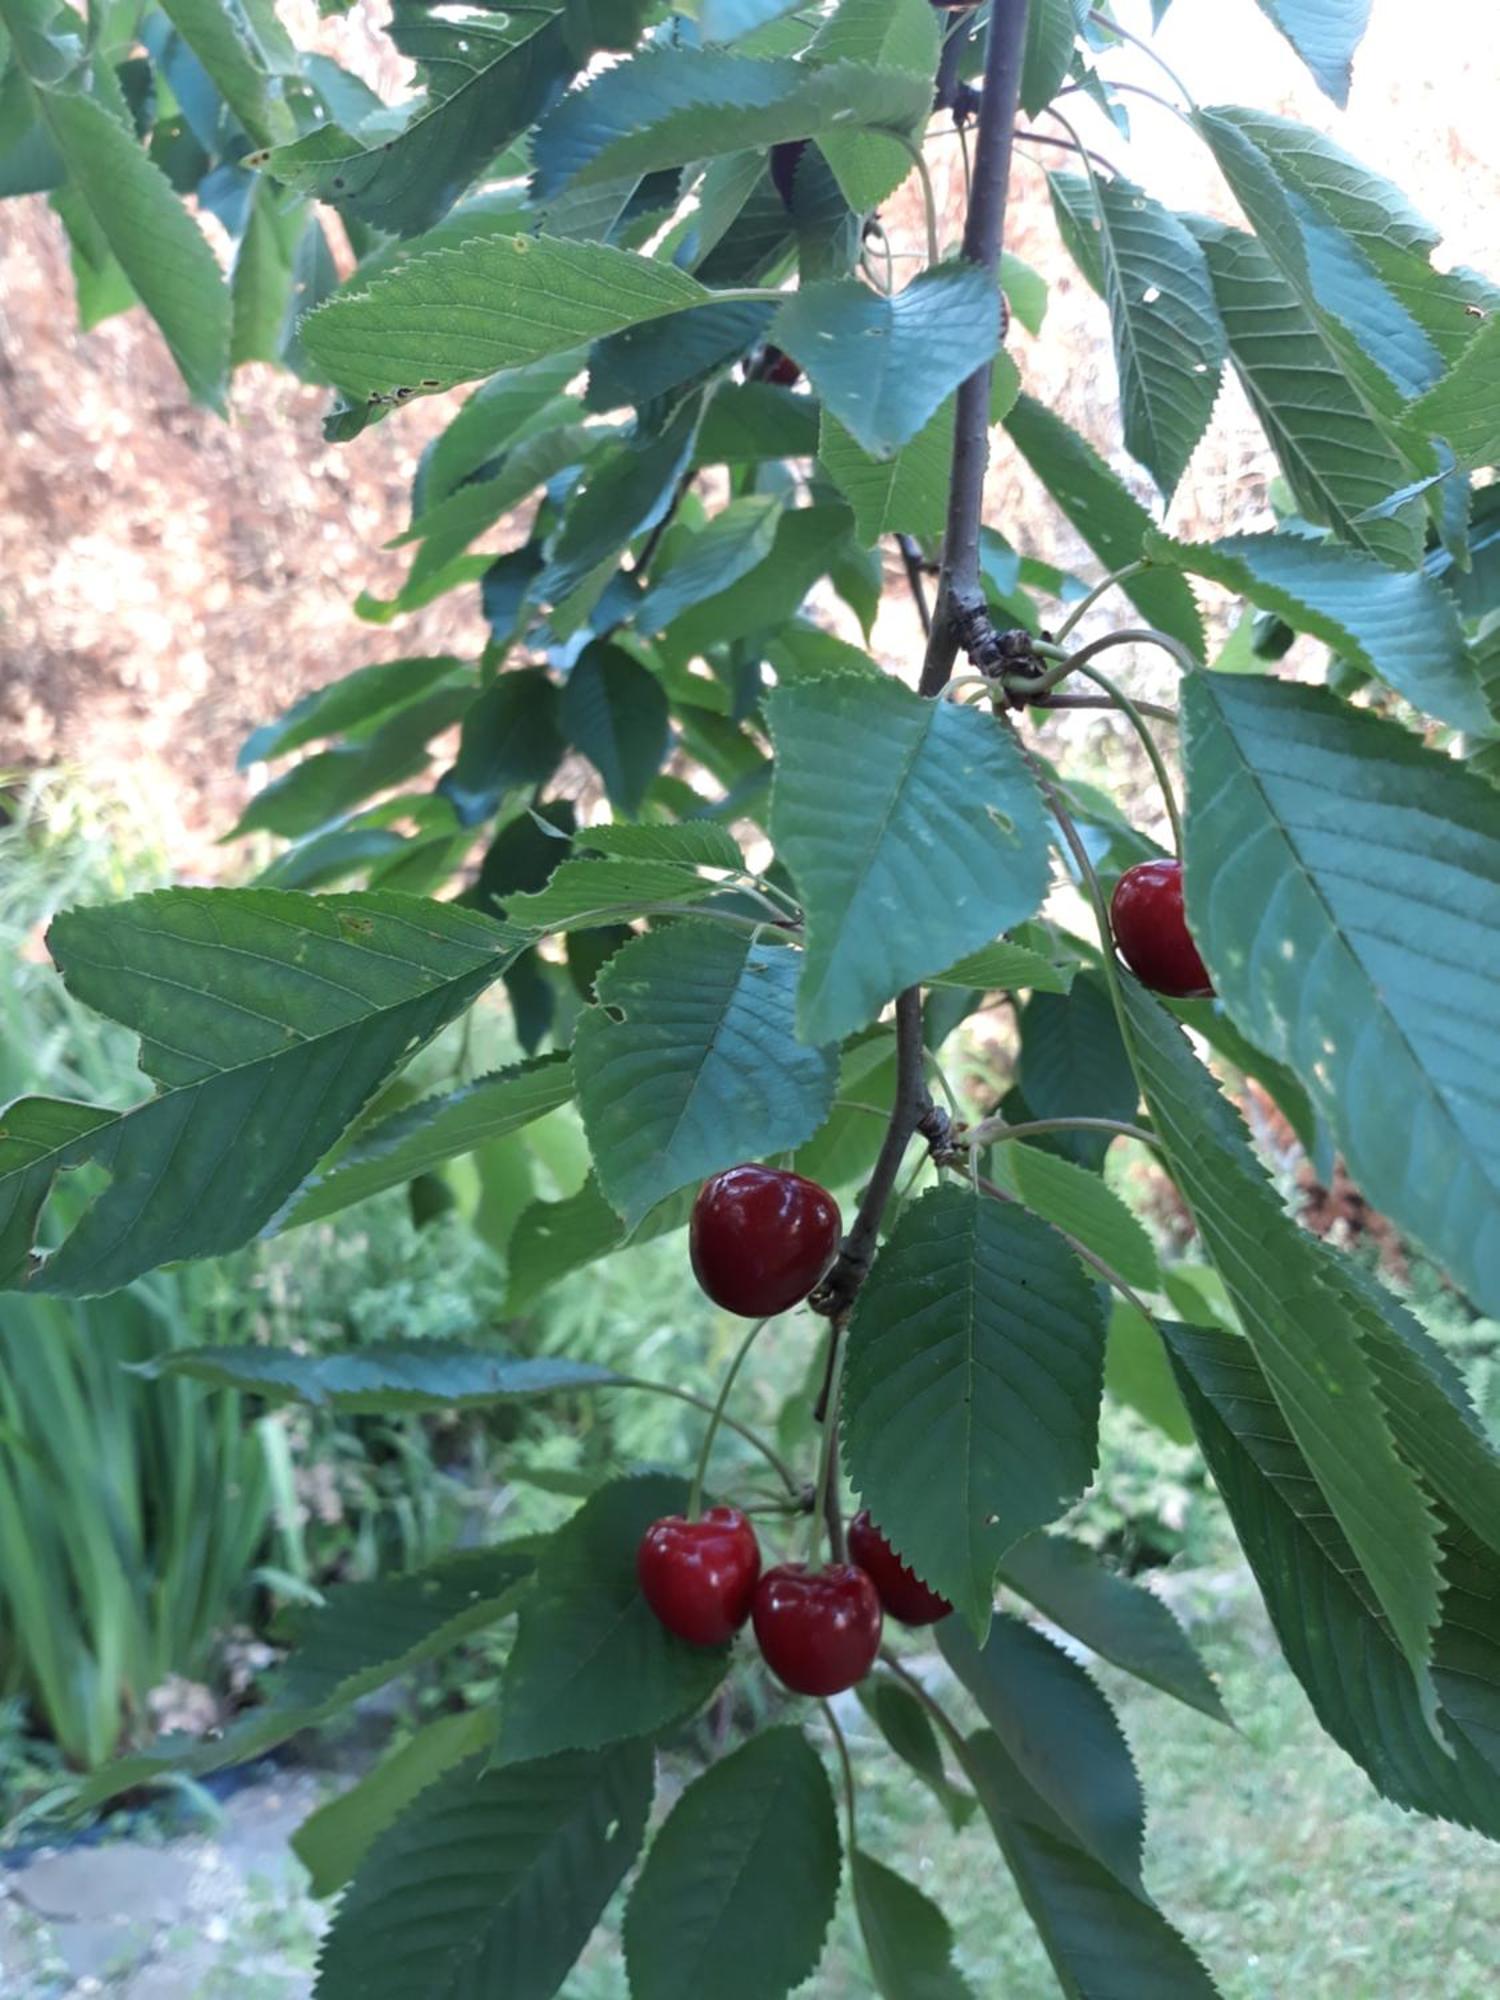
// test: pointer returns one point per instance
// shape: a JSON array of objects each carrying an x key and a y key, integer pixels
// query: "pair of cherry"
[{"x": 818, "y": 1630}]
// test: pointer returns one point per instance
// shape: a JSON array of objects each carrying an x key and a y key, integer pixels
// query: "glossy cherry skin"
[
  {"x": 818, "y": 1630},
  {"x": 1152, "y": 932},
  {"x": 779, "y": 368},
  {"x": 902, "y": 1591},
  {"x": 699, "y": 1577},
  {"x": 760, "y": 1239}
]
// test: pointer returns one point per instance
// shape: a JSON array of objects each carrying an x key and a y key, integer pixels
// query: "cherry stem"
[
  {"x": 1137, "y": 721},
  {"x": 772, "y": 1457},
  {"x": 1112, "y": 26},
  {"x": 1104, "y": 585},
  {"x": 929, "y": 199},
  {"x": 847, "y": 1763},
  {"x": 826, "y": 1514},
  {"x": 993, "y": 1130},
  {"x": 700, "y": 1471},
  {"x": 1079, "y": 1249},
  {"x": 930, "y": 1702}
]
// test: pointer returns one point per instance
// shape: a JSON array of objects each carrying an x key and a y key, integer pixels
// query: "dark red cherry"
[
  {"x": 818, "y": 1629},
  {"x": 1152, "y": 933},
  {"x": 779, "y": 368},
  {"x": 699, "y": 1576},
  {"x": 760, "y": 1239},
  {"x": 902, "y": 1591},
  {"x": 785, "y": 160}
]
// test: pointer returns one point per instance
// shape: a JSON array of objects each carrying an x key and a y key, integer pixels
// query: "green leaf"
[
  {"x": 455, "y": 315},
  {"x": 592, "y": 1663},
  {"x": 1324, "y": 1607},
  {"x": 222, "y": 35},
  {"x": 1062, "y": 1735},
  {"x": 1464, "y": 408},
  {"x": 672, "y": 105},
  {"x": 1105, "y": 1942},
  {"x": 1366, "y": 952},
  {"x": 936, "y": 799},
  {"x": 389, "y": 1376},
  {"x": 270, "y": 1019},
  {"x": 906, "y": 1935},
  {"x": 1325, "y": 33},
  {"x": 1050, "y": 28},
  {"x": 552, "y": 1238},
  {"x": 512, "y": 737},
  {"x": 615, "y": 712},
  {"x": 1338, "y": 463},
  {"x": 489, "y": 76},
  {"x": 422, "y": 1136},
  {"x": 757, "y": 1833},
  {"x": 885, "y": 366},
  {"x": 1061, "y": 1192},
  {"x": 157, "y": 243},
  {"x": 1074, "y": 1064},
  {"x": 650, "y": 361},
  {"x": 498, "y": 1873},
  {"x": 908, "y": 1731},
  {"x": 624, "y": 492},
  {"x": 362, "y": 1636},
  {"x": 1137, "y": 1372},
  {"x": 362, "y": 699},
  {"x": 807, "y": 542},
  {"x": 750, "y": 421},
  {"x": 1399, "y": 625},
  {"x": 334, "y": 1839},
  {"x": 1005, "y": 968},
  {"x": 1113, "y": 523},
  {"x": 728, "y": 20},
  {"x": 737, "y": 540},
  {"x": 908, "y": 492},
  {"x": 693, "y": 843},
  {"x": 585, "y": 893},
  {"x": 513, "y": 406},
  {"x": 972, "y": 1386},
  {"x": 1121, "y": 1621},
  {"x": 1169, "y": 344},
  {"x": 1310, "y": 1347},
  {"x": 325, "y": 786},
  {"x": 689, "y": 1062}
]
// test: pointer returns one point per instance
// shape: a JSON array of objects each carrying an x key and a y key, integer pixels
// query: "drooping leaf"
[
  {"x": 757, "y": 1832},
  {"x": 1325, "y": 33},
  {"x": 908, "y": 1731},
  {"x": 615, "y": 711},
  {"x": 1064, "y": 1193},
  {"x": 737, "y": 540},
  {"x": 358, "y": 700},
  {"x": 690, "y": 1063},
  {"x": 908, "y": 492},
  {"x": 422, "y": 1136},
  {"x": 624, "y": 493},
  {"x": 972, "y": 1386},
  {"x": 1137, "y": 1372},
  {"x": 1109, "y": 518},
  {"x": 322, "y": 788},
  {"x": 651, "y": 360},
  {"x": 512, "y": 736},
  {"x": 1075, "y": 1065},
  {"x": 807, "y": 542},
  {"x": 1123, "y": 1622},
  {"x": 885, "y": 366},
  {"x": 935, "y": 795},
  {"x": 592, "y": 1663},
  {"x": 1366, "y": 951},
  {"x": 364, "y": 1635},
  {"x": 1310, "y": 1347},
  {"x": 1325, "y": 1610},
  {"x": 906, "y": 1935},
  {"x": 504, "y": 1870},
  {"x": 692, "y": 843},
  {"x": 1105, "y": 1942},
  {"x": 1397, "y": 624},
  {"x": 552, "y": 1238},
  {"x": 671, "y": 105},
  {"x": 1337, "y": 462},
  {"x": 269, "y": 1019},
  {"x": 1062, "y": 1735},
  {"x": 585, "y": 893},
  {"x": 1050, "y": 28},
  {"x": 455, "y": 315},
  {"x": 222, "y": 35},
  {"x": 1464, "y": 408},
  {"x": 511, "y": 406},
  {"x": 1169, "y": 343},
  {"x": 333, "y": 1840},
  {"x": 388, "y": 1376}
]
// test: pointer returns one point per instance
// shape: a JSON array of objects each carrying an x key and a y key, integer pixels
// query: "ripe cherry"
[
  {"x": 779, "y": 368},
  {"x": 902, "y": 1591},
  {"x": 760, "y": 1239},
  {"x": 1152, "y": 933},
  {"x": 818, "y": 1629},
  {"x": 699, "y": 1576}
]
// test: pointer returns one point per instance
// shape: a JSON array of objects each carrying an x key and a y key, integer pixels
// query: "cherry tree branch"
[{"x": 960, "y": 599}]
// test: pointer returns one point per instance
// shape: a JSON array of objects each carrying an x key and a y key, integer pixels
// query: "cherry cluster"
[{"x": 761, "y": 1240}]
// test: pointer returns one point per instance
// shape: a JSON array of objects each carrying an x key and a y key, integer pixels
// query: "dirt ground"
[{"x": 167, "y": 580}]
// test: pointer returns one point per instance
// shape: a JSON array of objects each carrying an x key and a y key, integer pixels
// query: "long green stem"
[
  {"x": 993, "y": 1130},
  {"x": 930, "y": 1702},
  {"x": 1100, "y": 589},
  {"x": 1080, "y": 1249},
  {"x": 1137, "y": 722},
  {"x": 1112, "y": 26},
  {"x": 847, "y": 1764},
  {"x": 700, "y": 1471},
  {"x": 825, "y": 1490},
  {"x": 929, "y": 199},
  {"x": 772, "y": 1457}
]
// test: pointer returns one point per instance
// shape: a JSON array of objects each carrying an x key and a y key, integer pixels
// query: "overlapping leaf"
[
  {"x": 1345, "y": 884},
  {"x": 1464, "y": 408},
  {"x": 389, "y": 1376},
  {"x": 1325, "y": 33},
  {"x": 906, "y": 1935},
  {"x": 932, "y": 793}
]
